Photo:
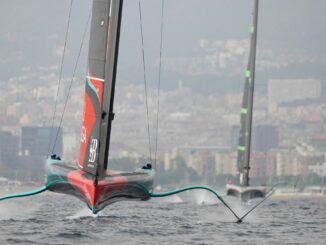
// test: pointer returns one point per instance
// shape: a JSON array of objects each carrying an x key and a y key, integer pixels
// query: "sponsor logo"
[{"x": 93, "y": 150}]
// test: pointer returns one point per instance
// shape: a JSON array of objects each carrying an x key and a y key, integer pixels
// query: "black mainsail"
[
  {"x": 243, "y": 190},
  {"x": 246, "y": 112}
]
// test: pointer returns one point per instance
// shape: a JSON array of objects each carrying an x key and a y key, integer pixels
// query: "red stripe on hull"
[{"x": 96, "y": 194}]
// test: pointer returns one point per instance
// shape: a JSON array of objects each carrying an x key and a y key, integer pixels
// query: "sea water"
[{"x": 184, "y": 219}]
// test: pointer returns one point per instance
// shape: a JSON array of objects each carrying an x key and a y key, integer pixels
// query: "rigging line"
[
  {"x": 269, "y": 194},
  {"x": 145, "y": 82},
  {"x": 72, "y": 79},
  {"x": 159, "y": 86},
  {"x": 60, "y": 75},
  {"x": 170, "y": 193}
]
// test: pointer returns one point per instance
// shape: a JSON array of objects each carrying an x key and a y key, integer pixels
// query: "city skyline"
[{"x": 202, "y": 76}]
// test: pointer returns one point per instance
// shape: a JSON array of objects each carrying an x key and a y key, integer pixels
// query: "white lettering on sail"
[{"x": 92, "y": 150}]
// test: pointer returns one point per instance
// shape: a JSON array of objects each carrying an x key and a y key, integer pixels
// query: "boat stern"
[{"x": 245, "y": 193}]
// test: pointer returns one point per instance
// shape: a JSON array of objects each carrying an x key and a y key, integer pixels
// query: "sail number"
[{"x": 93, "y": 150}]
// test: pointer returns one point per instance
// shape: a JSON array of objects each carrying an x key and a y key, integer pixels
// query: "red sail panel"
[{"x": 89, "y": 146}]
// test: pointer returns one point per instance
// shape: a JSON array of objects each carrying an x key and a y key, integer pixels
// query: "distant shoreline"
[{"x": 298, "y": 195}]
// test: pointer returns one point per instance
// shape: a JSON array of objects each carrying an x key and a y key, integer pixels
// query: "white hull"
[{"x": 245, "y": 193}]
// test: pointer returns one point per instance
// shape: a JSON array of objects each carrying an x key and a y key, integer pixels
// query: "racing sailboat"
[
  {"x": 242, "y": 189},
  {"x": 91, "y": 180}
]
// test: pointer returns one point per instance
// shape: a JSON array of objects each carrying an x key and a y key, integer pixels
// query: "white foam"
[
  {"x": 170, "y": 199},
  {"x": 203, "y": 197},
  {"x": 11, "y": 209},
  {"x": 84, "y": 212}
]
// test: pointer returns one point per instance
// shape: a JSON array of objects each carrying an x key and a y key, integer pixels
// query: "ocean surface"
[{"x": 190, "y": 218}]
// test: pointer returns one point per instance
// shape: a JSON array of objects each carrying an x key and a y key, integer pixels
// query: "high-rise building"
[
  {"x": 271, "y": 163},
  {"x": 258, "y": 164},
  {"x": 289, "y": 162},
  {"x": 287, "y": 90},
  {"x": 226, "y": 163},
  {"x": 9, "y": 148},
  {"x": 200, "y": 158},
  {"x": 264, "y": 137},
  {"x": 318, "y": 168},
  {"x": 285, "y": 160},
  {"x": 35, "y": 141}
]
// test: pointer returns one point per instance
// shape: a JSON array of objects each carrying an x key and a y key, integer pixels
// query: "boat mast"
[
  {"x": 109, "y": 89},
  {"x": 247, "y": 104},
  {"x": 100, "y": 85}
]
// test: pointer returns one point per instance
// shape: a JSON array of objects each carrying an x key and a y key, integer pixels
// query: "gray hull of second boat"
[{"x": 245, "y": 193}]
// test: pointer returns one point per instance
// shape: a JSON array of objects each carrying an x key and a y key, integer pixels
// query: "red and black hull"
[{"x": 114, "y": 186}]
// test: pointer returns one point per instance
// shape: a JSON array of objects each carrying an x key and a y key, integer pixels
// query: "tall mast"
[
  {"x": 110, "y": 74},
  {"x": 100, "y": 85},
  {"x": 247, "y": 104}
]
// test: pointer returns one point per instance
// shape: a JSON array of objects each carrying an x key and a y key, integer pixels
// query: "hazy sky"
[{"x": 204, "y": 40}]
